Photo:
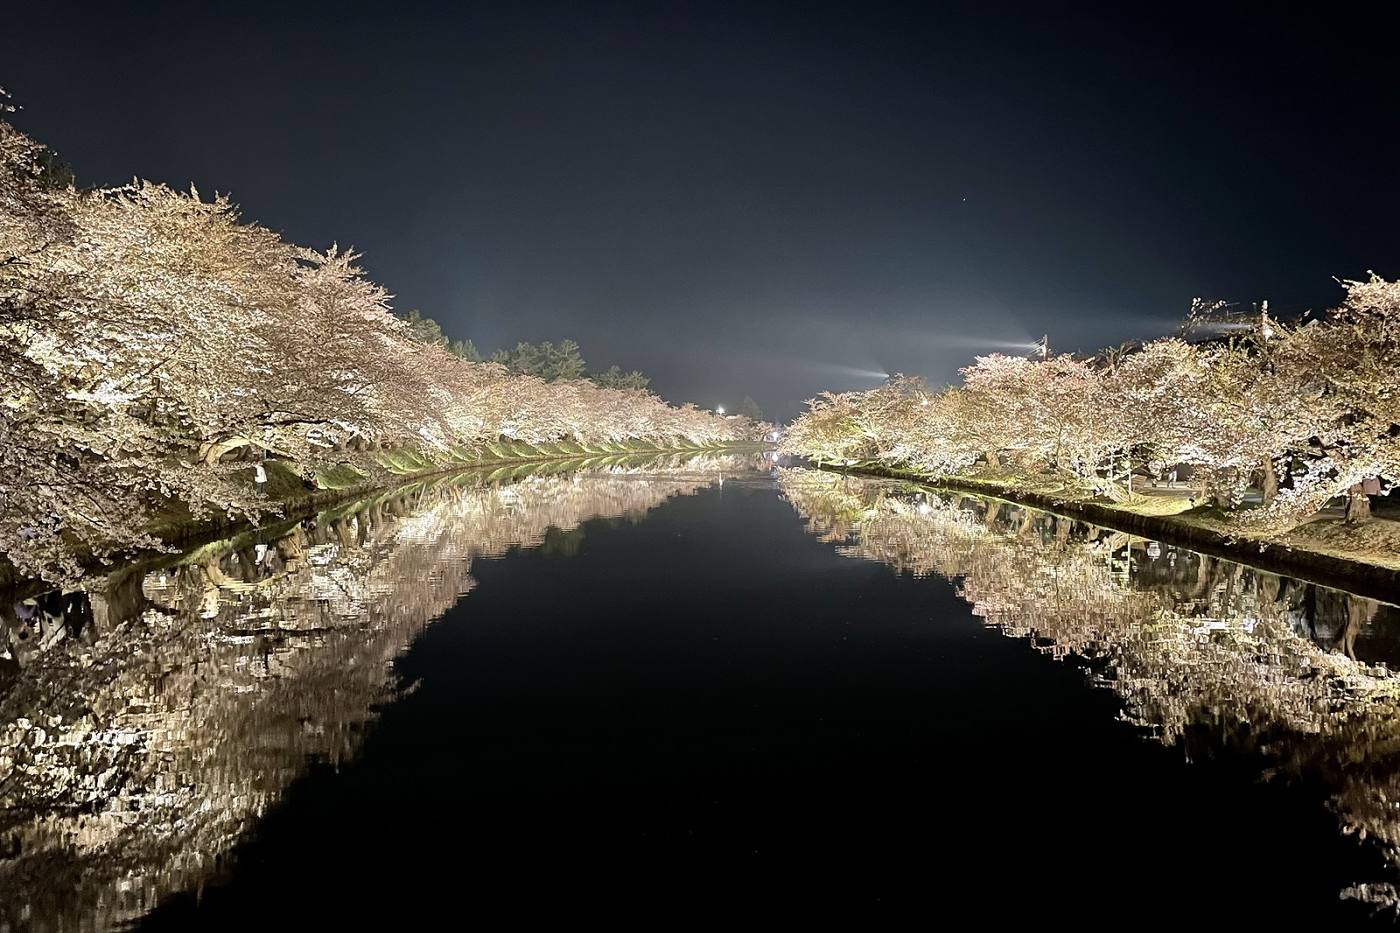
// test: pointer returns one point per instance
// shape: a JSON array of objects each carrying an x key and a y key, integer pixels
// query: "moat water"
[{"x": 712, "y": 688}]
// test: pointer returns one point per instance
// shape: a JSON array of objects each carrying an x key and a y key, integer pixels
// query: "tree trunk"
[
  {"x": 1202, "y": 577},
  {"x": 1359, "y": 612},
  {"x": 1358, "y": 505},
  {"x": 1269, "y": 486},
  {"x": 117, "y": 598}
]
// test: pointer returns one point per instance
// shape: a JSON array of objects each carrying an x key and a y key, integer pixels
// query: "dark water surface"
[{"x": 783, "y": 696}]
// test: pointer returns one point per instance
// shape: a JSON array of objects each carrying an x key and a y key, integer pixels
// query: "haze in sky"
[{"x": 763, "y": 200}]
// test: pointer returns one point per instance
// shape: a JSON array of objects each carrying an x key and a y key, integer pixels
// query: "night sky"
[{"x": 751, "y": 199}]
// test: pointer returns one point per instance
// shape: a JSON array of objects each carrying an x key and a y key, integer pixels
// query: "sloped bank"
[
  {"x": 290, "y": 499},
  {"x": 391, "y": 468},
  {"x": 1355, "y": 573}
]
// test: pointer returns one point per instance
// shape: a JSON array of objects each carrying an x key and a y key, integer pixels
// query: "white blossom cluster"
[
  {"x": 147, "y": 337},
  {"x": 1307, "y": 412}
]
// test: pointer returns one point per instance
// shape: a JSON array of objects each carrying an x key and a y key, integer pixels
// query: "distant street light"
[{"x": 719, "y": 409}]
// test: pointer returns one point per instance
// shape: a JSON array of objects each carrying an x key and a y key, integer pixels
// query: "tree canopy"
[
  {"x": 147, "y": 335},
  {"x": 547, "y": 360},
  {"x": 749, "y": 409},
  {"x": 614, "y": 378},
  {"x": 1305, "y": 411}
]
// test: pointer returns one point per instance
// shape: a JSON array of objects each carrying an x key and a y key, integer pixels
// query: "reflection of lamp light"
[{"x": 719, "y": 409}]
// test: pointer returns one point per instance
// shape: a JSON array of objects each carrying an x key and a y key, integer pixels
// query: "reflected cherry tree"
[
  {"x": 1205, "y": 654},
  {"x": 151, "y": 715}
]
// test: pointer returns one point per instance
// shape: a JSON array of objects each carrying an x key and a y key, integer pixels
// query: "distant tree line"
[{"x": 546, "y": 360}]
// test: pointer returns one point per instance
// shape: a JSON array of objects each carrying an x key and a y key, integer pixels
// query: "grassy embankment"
[
  {"x": 392, "y": 468},
  {"x": 1363, "y": 558},
  {"x": 385, "y": 472}
]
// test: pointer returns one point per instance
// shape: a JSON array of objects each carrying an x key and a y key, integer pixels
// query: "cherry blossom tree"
[
  {"x": 1307, "y": 412},
  {"x": 151, "y": 342}
]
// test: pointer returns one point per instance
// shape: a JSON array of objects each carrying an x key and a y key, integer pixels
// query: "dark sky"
[{"x": 752, "y": 199}]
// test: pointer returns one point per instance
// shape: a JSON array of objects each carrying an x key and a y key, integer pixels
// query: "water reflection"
[
  {"x": 148, "y": 718},
  {"x": 1206, "y": 654}
]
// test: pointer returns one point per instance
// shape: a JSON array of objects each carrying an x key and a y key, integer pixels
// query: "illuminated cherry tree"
[
  {"x": 152, "y": 344},
  {"x": 1306, "y": 413}
]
